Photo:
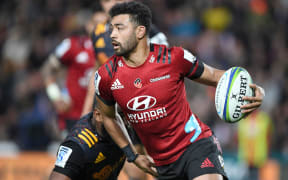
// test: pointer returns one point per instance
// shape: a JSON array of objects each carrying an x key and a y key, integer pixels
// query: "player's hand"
[
  {"x": 61, "y": 106},
  {"x": 255, "y": 101},
  {"x": 145, "y": 164}
]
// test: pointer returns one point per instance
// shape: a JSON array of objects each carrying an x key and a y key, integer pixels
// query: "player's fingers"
[
  {"x": 250, "y": 98},
  {"x": 248, "y": 110},
  {"x": 153, "y": 172},
  {"x": 253, "y": 86},
  {"x": 151, "y": 164},
  {"x": 251, "y": 105},
  {"x": 259, "y": 91}
]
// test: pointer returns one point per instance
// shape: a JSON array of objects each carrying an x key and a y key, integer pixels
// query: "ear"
[
  {"x": 96, "y": 113},
  {"x": 140, "y": 32}
]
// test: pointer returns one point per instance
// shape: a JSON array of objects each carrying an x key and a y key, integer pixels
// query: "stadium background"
[{"x": 223, "y": 33}]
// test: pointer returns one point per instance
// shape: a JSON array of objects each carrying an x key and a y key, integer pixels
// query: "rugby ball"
[{"x": 232, "y": 86}]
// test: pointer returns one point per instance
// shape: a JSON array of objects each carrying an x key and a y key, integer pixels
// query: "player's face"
[
  {"x": 108, "y": 4},
  {"x": 98, "y": 17},
  {"x": 123, "y": 35}
]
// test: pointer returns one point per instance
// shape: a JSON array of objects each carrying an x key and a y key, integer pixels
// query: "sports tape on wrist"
[{"x": 131, "y": 156}]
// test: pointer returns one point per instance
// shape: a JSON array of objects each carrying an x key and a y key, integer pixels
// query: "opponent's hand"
[
  {"x": 255, "y": 101},
  {"x": 145, "y": 164}
]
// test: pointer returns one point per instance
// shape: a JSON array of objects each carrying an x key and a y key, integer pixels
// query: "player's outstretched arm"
[
  {"x": 210, "y": 76},
  {"x": 58, "y": 176}
]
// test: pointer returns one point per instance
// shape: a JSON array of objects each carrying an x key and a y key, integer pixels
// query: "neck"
[{"x": 138, "y": 56}]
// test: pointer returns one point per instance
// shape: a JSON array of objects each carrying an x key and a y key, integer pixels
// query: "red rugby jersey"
[
  {"x": 77, "y": 54},
  {"x": 153, "y": 99}
]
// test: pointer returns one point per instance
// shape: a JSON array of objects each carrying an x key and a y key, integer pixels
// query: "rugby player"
[
  {"x": 103, "y": 50},
  {"x": 88, "y": 152},
  {"x": 147, "y": 81},
  {"x": 75, "y": 56}
]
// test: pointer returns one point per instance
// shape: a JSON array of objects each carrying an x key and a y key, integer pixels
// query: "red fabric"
[
  {"x": 158, "y": 110},
  {"x": 80, "y": 60}
]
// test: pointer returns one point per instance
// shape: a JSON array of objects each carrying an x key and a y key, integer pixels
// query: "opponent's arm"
[{"x": 58, "y": 176}]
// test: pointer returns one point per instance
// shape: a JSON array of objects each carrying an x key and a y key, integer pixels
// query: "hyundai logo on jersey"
[
  {"x": 141, "y": 103},
  {"x": 147, "y": 114}
]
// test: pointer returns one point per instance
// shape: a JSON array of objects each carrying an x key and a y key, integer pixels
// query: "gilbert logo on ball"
[{"x": 232, "y": 86}]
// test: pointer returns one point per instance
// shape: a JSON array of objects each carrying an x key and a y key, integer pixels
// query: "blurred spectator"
[
  {"x": 75, "y": 56},
  {"x": 30, "y": 131},
  {"x": 254, "y": 139}
]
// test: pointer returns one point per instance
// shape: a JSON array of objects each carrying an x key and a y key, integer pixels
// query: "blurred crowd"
[{"x": 222, "y": 33}]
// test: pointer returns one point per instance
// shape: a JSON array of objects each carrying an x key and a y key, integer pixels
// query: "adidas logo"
[
  {"x": 207, "y": 163},
  {"x": 116, "y": 85},
  {"x": 99, "y": 158}
]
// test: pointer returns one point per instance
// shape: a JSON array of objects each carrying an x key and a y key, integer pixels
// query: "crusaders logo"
[{"x": 137, "y": 83}]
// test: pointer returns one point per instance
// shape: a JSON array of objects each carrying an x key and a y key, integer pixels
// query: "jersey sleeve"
[
  {"x": 187, "y": 64},
  {"x": 102, "y": 81},
  {"x": 64, "y": 51},
  {"x": 70, "y": 161}
]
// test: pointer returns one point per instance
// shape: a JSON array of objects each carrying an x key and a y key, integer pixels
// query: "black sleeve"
[
  {"x": 199, "y": 70},
  {"x": 70, "y": 159}
]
